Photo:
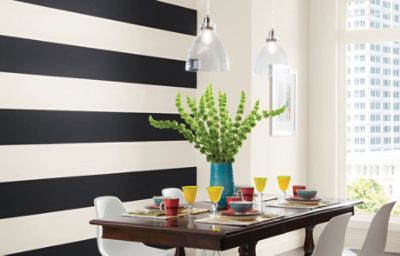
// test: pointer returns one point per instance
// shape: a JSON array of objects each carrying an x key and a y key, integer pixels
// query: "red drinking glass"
[
  {"x": 170, "y": 206},
  {"x": 297, "y": 187},
  {"x": 247, "y": 193}
]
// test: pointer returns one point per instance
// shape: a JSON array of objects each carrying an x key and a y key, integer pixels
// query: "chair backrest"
[
  {"x": 331, "y": 240},
  {"x": 375, "y": 242},
  {"x": 174, "y": 192},
  {"x": 106, "y": 206}
]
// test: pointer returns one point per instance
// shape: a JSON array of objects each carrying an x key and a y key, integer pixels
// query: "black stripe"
[
  {"x": 30, "y": 197},
  {"x": 48, "y": 127},
  {"x": 148, "y": 13},
  {"x": 84, "y": 248},
  {"x": 42, "y": 58}
]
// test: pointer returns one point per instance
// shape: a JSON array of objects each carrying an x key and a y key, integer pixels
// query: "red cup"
[
  {"x": 230, "y": 199},
  {"x": 247, "y": 193},
  {"x": 170, "y": 206},
  {"x": 297, "y": 187}
]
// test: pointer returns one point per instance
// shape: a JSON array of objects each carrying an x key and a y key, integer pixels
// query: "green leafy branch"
[{"x": 210, "y": 128}]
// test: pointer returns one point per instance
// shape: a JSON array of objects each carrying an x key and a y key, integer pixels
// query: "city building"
[{"x": 373, "y": 97}]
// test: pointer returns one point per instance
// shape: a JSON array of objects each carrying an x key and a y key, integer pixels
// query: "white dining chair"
[
  {"x": 375, "y": 242},
  {"x": 174, "y": 192},
  {"x": 331, "y": 240},
  {"x": 110, "y": 206}
]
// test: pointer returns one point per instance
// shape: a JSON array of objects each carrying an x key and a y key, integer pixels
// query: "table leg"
[
  {"x": 248, "y": 249},
  {"x": 309, "y": 241},
  {"x": 180, "y": 251}
]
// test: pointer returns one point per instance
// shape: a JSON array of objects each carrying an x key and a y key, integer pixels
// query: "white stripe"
[
  {"x": 49, "y": 229},
  {"x": 27, "y": 162},
  {"x": 41, "y": 92},
  {"x": 191, "y": 4},
  {"x": 47, "y": 24}
]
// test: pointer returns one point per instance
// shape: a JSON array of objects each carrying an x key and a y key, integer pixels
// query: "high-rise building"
[{"x": 373, "y": 96}]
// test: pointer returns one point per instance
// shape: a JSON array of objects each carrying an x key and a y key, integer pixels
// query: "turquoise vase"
[{"x": 222, "y": 175}]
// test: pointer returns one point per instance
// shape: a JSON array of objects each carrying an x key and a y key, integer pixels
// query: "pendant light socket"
[
  {"x": 271, "y": 54},
  {"x": 207, "y": 52}
]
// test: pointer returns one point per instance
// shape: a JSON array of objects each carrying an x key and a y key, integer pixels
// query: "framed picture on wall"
[{"x": 283, "y": 93}]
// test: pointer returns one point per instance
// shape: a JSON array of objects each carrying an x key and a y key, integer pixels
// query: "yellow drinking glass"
[
  {"x": 214, "y": 193},
  {"x": 283, "y": 182},
  {"x": 260, "y": 182},
  {"x": 190, "y": 193}
]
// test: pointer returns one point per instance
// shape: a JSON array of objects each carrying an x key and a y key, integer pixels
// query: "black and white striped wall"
[{"x": 78, "y": 79}]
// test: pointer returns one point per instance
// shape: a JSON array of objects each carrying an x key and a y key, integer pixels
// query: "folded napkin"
[
  {"x": 221, "y": 220},
  {"x": 150, "y": 214},
  {"x": 299, "y": 205}
]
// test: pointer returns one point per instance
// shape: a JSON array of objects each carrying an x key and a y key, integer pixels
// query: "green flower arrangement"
[{"x": 211, "y": 129}]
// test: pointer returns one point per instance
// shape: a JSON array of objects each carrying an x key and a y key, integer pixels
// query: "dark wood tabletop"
[{"x": 184, "y": 232}]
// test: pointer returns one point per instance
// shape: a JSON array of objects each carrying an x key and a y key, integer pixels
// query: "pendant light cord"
[
  {"x": 208, "y": 8},
  {"x": 272, "y": 14}
]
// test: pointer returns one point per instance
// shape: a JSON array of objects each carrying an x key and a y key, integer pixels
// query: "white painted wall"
[
  {"x": 243, "y": 27},
  {"x": 233, "y": 27},
  {"x": 273, "y": 156},
  {"x": 322, "y": 99}
]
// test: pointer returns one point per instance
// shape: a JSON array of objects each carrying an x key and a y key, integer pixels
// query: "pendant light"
[
  {"x": 207, "y": 52},
  {"x": 272, "y": 53}
]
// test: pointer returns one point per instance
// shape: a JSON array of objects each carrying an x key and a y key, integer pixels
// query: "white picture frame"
[{"x": 283, "y": 93}]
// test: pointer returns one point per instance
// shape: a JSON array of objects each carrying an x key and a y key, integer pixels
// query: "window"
[
  {"x": 359, "y": 129},
  {"x": 375, "y": 105},
  {"x": 375, "y": 117},
  {"x": 358, "y": 94},
  {"x": 373, "y": 97},
  {"x": 375, "y": 129},
  {"x": 375, "y": 70},
  {"x": 375, "y": 93},
  {"x": 359, "y": 105},
  {"x": 387, "y": 140},
  {"x": 386, "y": 82},
  {"x": 386, "y": 106},
  {"x": 375, "y": 81}
]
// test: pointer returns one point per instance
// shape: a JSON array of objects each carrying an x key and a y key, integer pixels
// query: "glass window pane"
[
  {"x": 373, "y": 123},
  {"x": 372, "y": 14}
]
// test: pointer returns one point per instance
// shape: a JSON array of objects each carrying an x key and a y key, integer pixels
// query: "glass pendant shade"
[
  {"x": 272, "y": 53},
  {"x": 207, "y": 52}
]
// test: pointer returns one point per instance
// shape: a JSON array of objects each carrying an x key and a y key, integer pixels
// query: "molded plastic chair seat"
[
  {"x": 348, "y": 252},
  {"x": 110, "y": 206},
  {"x": 375, "y": 242},
  {"x": 331, "y": 240}
]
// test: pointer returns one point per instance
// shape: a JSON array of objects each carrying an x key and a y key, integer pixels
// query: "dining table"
[{"x": 186, "y": 232}]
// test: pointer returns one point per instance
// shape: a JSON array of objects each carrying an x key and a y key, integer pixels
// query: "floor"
[{"x": 299, "y": 252}]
